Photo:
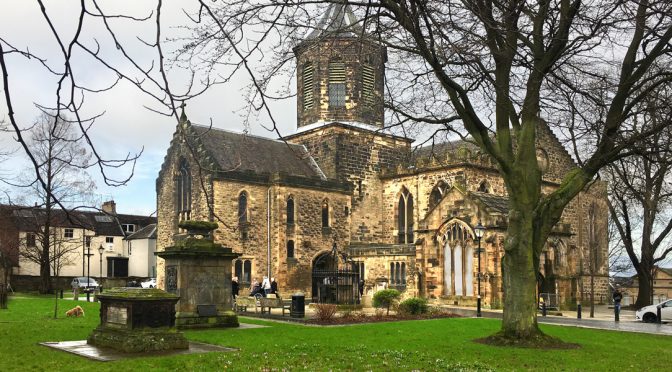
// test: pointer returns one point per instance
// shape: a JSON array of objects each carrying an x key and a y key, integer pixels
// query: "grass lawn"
[{"x": 443, "y": 344}]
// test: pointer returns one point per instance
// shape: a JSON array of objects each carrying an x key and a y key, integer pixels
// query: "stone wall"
[
  {"x": 201, "y": 191},
  {"x": 357, "y": 156}
]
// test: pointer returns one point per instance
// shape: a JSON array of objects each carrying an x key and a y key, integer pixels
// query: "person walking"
[{"x": 274, "y": 286}]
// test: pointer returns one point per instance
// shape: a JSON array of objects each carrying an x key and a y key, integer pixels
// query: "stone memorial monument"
[
  {"x": 198, "y": 270},
  {"x": 137, "y": 320}
]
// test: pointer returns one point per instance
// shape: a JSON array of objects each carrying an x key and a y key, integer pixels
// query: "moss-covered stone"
[
  {"x": 224, "y": 319},
  {"x": 198, "y": 225},
  {"x": 196, "y": 244},
  {"x": 138, "y": 341},
  {"x": 131, "y": 293}
]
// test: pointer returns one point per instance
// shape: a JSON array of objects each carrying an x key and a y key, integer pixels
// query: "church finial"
[{"x": 183, "y": 116}]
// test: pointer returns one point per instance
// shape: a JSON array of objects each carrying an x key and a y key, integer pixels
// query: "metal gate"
[{"x": 336, "y": 286}]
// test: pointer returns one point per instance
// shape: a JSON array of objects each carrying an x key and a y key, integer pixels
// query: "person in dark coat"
[
  {"x": 274, "y": 286},
  {"x": 617, "y": 296}
]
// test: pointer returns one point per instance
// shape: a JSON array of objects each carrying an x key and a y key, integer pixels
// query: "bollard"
[
  {"x": 61, "y": 294},
  {"x": 543, "y": 309},
  {"x": 617, "y": 312},
  {"x": 659, "y": 318},
  {"x": 578, "y": 311}
]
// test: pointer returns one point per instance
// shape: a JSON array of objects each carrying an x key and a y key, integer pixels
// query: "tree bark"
[
  {"x": 645, "y": 291},
  {"x": 519, "y": 274}
]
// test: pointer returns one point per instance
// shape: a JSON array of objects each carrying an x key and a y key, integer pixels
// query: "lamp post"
[
  {"x": 88, "y": 273},
  {"x": 479, "y": 230},
  {"x": 100, "y": 250}
]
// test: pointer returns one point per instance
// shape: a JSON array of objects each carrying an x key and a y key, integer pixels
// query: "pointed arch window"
[
  {"x": 183, "y": 191},
  {"x": 243, "y": 216},
  {"x": 308, "y": 82},
  {"x": 437, "y": 194},
  {"x": 484, "y": 187},
  {"x": 325, "y": 213},
  {"x": 405, "y": 217},
  {"x": 336, "y": 84},
  {"x": 290, "y": 211},
  {"x": 458, "y": 261}
]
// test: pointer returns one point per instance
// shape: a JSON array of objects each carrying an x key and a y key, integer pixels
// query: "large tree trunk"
[
  {"x": 519, "y": 274},
  {"x": 645, "y": 291}
]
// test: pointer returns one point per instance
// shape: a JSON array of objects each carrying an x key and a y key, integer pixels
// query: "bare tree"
[
  {"x": 502, "y": 67},
  {"x": 641, "y": 195},
  {"x": 62, "y": 161}
]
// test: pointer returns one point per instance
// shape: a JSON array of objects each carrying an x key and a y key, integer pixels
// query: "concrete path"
[{"x": 603, "y": 319}]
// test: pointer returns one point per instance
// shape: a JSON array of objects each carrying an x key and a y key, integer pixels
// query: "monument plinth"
[
  {"x": 137, "y": 320},
  {"x": 198, "y": 270}
]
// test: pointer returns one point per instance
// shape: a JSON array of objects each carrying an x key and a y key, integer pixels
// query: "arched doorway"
[
  {"x": 325, "y": 267},
  {"x": 334, "y": 285}
]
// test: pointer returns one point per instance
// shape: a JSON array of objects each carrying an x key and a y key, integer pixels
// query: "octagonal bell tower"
[{"x": 340, "y": 73}]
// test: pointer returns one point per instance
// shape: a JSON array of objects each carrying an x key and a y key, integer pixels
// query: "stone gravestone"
[
  {"x": 137, "y": 320},
  {"x": 198, "y": 270}
]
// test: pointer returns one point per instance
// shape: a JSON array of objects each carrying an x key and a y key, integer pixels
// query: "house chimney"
[{"x": 110, "y": 207}]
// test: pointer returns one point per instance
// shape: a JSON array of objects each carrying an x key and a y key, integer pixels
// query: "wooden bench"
[
  {"x": 273, "y": 303},
  {"x": 243, "y": 302}
]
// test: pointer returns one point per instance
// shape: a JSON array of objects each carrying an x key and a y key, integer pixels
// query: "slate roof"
[
  {"x": 495, "y": 203},
  {"x": 147, "y": 232},
  {"x": 338, "y": 21},
  {"x": 440, "y": 150},
  {"x": 29, "y": 219},
  {"x": 243, "y": 152}
]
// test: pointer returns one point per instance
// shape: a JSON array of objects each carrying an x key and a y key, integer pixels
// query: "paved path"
[
  {"x": 625, "y": 326},
  {"x": 604, "y": 319}
]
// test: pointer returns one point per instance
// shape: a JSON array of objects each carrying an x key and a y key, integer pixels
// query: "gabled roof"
[
  {"x": 30, "y": 219},
  {"x": 494, "y": 203},
  {"x": 243, "y": 152},
  {"x": 147, "y": 232},
  {"x": 338, "y": 21}
]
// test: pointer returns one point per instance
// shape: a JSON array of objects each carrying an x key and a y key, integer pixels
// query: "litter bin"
[{"x": 298, "y": 308}]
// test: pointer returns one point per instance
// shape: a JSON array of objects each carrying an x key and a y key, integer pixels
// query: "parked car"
[
  {"x": 84, "y": 284},
  {"x": 150, "y": 283},
  {"x": 649, "y": 313}
]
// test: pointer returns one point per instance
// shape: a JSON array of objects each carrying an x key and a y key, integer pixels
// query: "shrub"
[
  {"x": 414, "y": 306},
  {"x": 386, "y": 298},
  {"x": 325, "y": 312}
]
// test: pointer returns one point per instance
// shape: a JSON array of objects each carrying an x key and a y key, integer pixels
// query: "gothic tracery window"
[
  {"x": 437, "y": 194},
  {"x": 458, "y": 259},
  {"x": 183, "y": 191},
  {"x": 405, "y": 217}
]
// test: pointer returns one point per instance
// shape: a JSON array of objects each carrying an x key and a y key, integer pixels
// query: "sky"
[{"x": 127, "y": 125}]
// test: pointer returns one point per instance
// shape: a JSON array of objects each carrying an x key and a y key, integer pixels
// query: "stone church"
[{"x": 342, "y": 193}]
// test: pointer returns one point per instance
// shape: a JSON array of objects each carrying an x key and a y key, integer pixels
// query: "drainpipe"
[{"x": 268, "y": 232}]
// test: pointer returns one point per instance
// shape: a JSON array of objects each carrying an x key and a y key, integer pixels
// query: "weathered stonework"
[{"x": 366, "y": 175}]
